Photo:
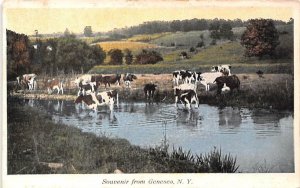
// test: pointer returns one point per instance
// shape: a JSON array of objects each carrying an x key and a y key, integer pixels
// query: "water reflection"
[
  {"x": 236, "y": 130},
  {"x": 230, "y": 117},
  {"x": 188, "y": 117}
]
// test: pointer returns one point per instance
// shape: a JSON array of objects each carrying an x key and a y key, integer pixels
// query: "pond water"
[{"x": 262, "y": 140}]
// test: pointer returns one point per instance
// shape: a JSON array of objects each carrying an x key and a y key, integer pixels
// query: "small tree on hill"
[
  {"x": 88, "y": 31},
  {"x": 116, "y": 56},
  {"x": 260, "y": 38},
  {"x": 128, "y": 57}
]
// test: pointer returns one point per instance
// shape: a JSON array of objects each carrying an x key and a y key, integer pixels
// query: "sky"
[{"x": 50, "y": 20}]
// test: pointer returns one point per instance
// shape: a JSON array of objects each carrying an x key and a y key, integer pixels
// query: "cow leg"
[
  {"x": 187, "y": 103},
  {"x": 176, "y": 100}
]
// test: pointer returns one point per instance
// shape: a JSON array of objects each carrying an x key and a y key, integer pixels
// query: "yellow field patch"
[{"x": 122, "y": 45}]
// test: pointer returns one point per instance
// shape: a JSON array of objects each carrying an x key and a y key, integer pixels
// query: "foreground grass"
[{"x": 36, "y": 145}]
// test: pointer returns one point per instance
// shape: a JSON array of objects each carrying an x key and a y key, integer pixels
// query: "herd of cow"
[{"x": 184, "y": 82}]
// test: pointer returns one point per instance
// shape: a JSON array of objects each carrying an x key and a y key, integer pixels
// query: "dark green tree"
[
  {"x": 116, "y": 57},
  {"x": 226, "y": 31},
  {"x": 128, "y": 57},
  {"x": 88, "y": 31},
  {"x": 260, "y": 38}
]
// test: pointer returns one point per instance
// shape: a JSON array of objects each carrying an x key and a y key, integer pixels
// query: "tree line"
[{"x": 195, "y": 24}]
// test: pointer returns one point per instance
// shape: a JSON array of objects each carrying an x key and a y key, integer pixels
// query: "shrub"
[{"x": 148, "y": 57}]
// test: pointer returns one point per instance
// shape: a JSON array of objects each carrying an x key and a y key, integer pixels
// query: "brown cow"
[
  {"x": 232, "y": 82},
  {"x": 54, "y": 84},
  {"x": 111, "y": 79}
]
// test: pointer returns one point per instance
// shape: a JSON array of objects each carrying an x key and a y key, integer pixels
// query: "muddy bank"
[{"x": 270, "y": 91}]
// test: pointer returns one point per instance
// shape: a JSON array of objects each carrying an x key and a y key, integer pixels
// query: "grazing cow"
[
  {"x": 149, "y": 90},
  {"x": 208, "y": 78},
  {"x": 108, "y": 98},
  {"x": 128, "y": 78},
  {"x": 87, "y": 88},
  {"x": 260, "y": 73},
  {"x": 90, "y": 100},
  {"x": 225, "y": 69},
  {"x": 232, "y": 82},
  {"x": 187, "y": 76},
  {"x": 111, "y": 79},
  {"x": 54, "y": 84},
  {"x": 186, "y": 97},
  {"x": 28, "y": 81}
]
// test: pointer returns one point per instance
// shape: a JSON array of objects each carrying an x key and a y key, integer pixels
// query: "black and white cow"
[
  {"x": 27, "y": 81},
  {"x": 225, "y": 69},
  {"x": 232, "y": 82},
  {"x": 90, "y": 100},
  {"x": 88, "y": 88},
  {"x": 128, "y": 78},
  {"x": 176, "y": 77},
  {"x": 149, "y": 90},
  {"x": 186, "y": 94},
  {"x": 108, "y": 98}
]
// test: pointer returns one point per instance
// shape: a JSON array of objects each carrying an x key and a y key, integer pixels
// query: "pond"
[{"x": 262, "y": 140}]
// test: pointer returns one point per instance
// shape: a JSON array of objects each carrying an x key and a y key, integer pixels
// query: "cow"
[
  {"x": 54, "y": 84},
  {"x": 197, "y": 77},
  {"x": 28, "y": 81},
  {"x": 128, "y": 78},
  {"x": 183, "y": 89},
  {"x": 84, "y": 79},
  {"x": 176, "y": 77},
  {"x": 149, "y": 90},
  {"x": 88, "y": 88},
  {"x": 187, "y": 76},
  {"x": 90, "y": 100},
  {"x": 225, "y": 69},
  {"x": 186, "y": 97},
  {"x": 108, "y": 98},
  {"x": 107, "y": 80},
  {"x": 208, "y": 78},
  {"x": 232, "y": 82}
]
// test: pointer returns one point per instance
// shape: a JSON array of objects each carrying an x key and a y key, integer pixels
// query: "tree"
[
  {"x": 148, "y": 57},
  {"x": 75, "y": 55},
  {"x": 88, "y": 31},
  {"x": 260, "y": 38},
  {"x": 67, "y": 32},
  {"x": 116, "y": 56},
  {"x": 128, "y": 56},
  {"x": 18, "y": 54},
  {"x": 226, "y": 31}
]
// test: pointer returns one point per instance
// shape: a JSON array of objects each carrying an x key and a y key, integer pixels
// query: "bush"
[{"x": 148, "y": 57}]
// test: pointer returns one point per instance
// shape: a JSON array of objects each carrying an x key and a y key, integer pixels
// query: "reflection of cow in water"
[{"x": 230, "y": 117}]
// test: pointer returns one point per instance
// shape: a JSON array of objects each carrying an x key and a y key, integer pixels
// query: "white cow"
[{"x": 208, "y": 78}]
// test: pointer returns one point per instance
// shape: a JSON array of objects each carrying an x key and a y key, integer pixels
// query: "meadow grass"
[{"x": 35, "y": 142}]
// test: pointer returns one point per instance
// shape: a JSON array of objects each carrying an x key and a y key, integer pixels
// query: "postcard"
[{"x": 150, "y": 94}]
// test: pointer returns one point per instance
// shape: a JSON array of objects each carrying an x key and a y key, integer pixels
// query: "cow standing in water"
[
  {"x": 149, "y": 90},
  {"x": 186, "y": 94}
]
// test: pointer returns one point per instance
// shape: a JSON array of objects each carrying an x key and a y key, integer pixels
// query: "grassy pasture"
[{"x": 147, "y": 37}]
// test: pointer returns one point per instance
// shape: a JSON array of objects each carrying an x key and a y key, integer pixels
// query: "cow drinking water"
[
  {"x": 149, "y": 90},
  {"x": 54, "y": 84}
]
